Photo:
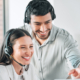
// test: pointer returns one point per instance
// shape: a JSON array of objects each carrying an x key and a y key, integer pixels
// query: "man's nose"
[{"x": 43, "y": 28}]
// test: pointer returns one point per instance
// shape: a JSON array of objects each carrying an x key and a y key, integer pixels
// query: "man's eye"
[{"x": 37, "y": 24}]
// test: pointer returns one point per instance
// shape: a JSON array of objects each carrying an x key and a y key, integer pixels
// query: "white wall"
[
  {"x": 16, "y": 12},
  {"x": 68, "y": 16}
]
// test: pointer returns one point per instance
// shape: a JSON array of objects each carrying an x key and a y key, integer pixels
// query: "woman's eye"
[
  {"x": 37, "y": 24},
  {"x": 31, "y": 46},
  {"x": 22, "y": 47}
]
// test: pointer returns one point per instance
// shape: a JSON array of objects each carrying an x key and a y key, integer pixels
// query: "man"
[{"x": 55, "y": 51}]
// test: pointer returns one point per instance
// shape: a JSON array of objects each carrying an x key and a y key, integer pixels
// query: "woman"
[{"x": 15, "y": 56}]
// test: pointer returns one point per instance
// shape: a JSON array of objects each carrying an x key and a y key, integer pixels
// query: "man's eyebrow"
[
  {"x": 37, "y": 22},
  {"x": 48, "y": 20}
]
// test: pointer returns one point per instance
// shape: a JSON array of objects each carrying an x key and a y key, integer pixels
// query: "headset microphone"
[
  {"x": 13, "y": 59},
  {"x": 16, "y": 61}
]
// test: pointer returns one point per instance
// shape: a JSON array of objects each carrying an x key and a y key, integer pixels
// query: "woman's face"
[{"x": 23, "y": 50}]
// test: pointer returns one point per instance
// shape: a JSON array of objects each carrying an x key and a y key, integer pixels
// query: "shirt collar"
[{"x": 53, "y": 33}]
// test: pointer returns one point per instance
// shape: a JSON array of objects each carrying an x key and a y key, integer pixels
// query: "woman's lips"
[{"x": 26, "y": 58}]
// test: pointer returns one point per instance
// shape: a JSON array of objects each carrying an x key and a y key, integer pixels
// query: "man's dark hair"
[{"x": 38, "y": 7}]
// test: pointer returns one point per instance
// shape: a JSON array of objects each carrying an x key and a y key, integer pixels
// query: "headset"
[
  {"x": 8, "y": 48},
  {"x": 27, "y": 20}
]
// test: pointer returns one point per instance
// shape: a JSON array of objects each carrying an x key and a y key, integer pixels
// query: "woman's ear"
[{"x": 30, "y": 23}]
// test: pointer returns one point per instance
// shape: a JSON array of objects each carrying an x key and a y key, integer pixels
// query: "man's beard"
[{"x": 43, "y": 37}]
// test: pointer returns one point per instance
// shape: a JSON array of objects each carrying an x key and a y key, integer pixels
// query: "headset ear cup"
[
  {"x": 26, "y": 20},
  {"x": 53, "y": 14},
  {"x": 8, "y": 50}
]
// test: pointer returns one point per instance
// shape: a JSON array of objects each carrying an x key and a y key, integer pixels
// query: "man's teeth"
[
  {"x": 26, "y": 57},
  {"x": 43, "y": 33}
]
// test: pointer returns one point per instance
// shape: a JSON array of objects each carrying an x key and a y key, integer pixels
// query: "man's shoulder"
[
  {"x": 62, "y": 31},
  {"x": 61, "y": 34},
  {"x": 26, "y": 27}
]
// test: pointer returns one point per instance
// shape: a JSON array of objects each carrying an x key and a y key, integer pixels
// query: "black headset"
[
  {"x": 27, "y": 20},
  {"x": 8, "y": 48}
]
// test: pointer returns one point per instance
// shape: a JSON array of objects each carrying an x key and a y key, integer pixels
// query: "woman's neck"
[{"x": 17, "y": 67}]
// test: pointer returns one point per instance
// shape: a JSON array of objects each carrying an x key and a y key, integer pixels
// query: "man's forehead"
[
  {"x": 33, "y": 15},
  {"x": 40, "y": 18}
]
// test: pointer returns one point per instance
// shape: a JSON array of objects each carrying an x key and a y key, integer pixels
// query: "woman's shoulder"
[
  {"x": 2, "y": 67},
  {"x": 5, "y": 70}
]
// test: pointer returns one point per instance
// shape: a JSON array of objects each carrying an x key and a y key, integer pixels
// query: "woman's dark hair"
[
  {"x": 38, "y": 7},
  {"x": 9, "y": 39}
]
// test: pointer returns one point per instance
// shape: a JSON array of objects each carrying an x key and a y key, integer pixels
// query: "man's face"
[{"x": 41, "y": 25}]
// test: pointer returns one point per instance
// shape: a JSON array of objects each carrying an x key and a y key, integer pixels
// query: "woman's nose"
[{"x": 28, "y": 51}]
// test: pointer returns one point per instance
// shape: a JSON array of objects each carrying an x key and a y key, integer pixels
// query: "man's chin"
[{"x": 43, "y": 38}]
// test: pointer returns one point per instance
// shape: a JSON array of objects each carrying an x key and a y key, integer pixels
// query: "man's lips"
[{"x": 42, "y": 33}]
